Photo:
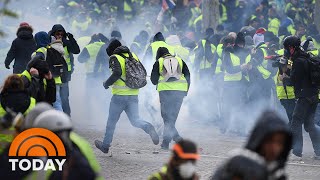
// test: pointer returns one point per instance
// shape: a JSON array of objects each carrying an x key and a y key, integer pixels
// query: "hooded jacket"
[
  {"x": 18, "y": 101},
  {"x": 268, "y": 124},
  {"x": 21, "y": 49},
  {"x": 70, "y": 43}
]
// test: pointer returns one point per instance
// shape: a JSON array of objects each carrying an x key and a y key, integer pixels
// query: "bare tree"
[
  {"x": 211, "y": 15},
  {"x": 5, "y": 12}
]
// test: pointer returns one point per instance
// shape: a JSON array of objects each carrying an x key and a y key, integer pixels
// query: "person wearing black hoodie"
[
  {"x": 268, "y": 146},
  {"x": 123, "y": 99},
  {"x": 21, "y": 49},
  {"x": 71, "y": 47},
  {"x": 306, "y": 94}
]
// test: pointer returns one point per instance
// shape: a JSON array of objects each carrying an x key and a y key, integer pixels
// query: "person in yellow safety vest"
[
  {"x": 174, "y": 41},
  {"x": 38, "y": 81},
  {"x": 172, "y": 86},
  {"x": 274, "y": 21},
  {"x": 79, "y": 153},
  {"x": 234, "y": 84},
  {"x": 289, "y": 23},
  {"x": 285, "y": 91},
  {"x": 70, "y": 47},
  {"x": 50, "y": 53},
  {"x": 182, "y": 164},
  {"x": 88, "y": 55},
  {"x": 204, "y": 56},
  {"x": 81, "y": 23},
  {"x": 195, "y": 11},
  {"x": 124, "y": 98},
  {"x": 223, "y": 13},
  {"x": 139, "y": 43},
  {"x": 260, "y": 74},
  {"x": 151, "y": 52},
  {"x": 14, "y": 97}
]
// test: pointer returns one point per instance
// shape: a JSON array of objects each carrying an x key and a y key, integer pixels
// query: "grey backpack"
[
  {"x": 136, "y": 74},
  {"x": 171, "y": 68}
]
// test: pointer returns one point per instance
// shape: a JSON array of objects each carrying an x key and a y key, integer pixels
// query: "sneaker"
[
  {"x": 100, "y": 146},
  {"x": 154, "y": 136},
  {"x": 294, "y": 157}
]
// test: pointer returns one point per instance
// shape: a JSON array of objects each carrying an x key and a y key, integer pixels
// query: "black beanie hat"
[
  {"x": 113, "y": 46},
  {"x": 158, "y": 37},
  {"x": 116, "y": 34},
  {"x": 240, "y": 39},
  {"x": 161, "y": 52}
]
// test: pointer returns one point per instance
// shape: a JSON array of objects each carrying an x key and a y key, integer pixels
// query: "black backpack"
[
  {"x": 314, "y": 69},
  {"x": 56, "y": 62},
  {"x": 136, "y": 74}
]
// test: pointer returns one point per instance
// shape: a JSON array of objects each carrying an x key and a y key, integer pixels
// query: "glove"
[
  {"x": 105, "y": 85},
  {"x": 70, "y": 36},
  {"x": 7, "y": 66}
]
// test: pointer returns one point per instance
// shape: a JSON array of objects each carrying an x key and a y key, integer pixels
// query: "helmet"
[
  {"x": 53, "y": 120},
  {"x": 34, "y": 113},
  {"x": 293, "y": 41}
]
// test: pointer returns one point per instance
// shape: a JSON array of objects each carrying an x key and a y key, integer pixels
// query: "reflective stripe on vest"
[
  {"x": 224, "y": 16},
  {"x": 157, "y": 44},
  {"x": 93, "y": 50},
  {"x": 119, "y": 87},
  {"x": 236, "y": 76},
  {"x": 180, "y": 85},
  {"x": 67, "y": 58}
]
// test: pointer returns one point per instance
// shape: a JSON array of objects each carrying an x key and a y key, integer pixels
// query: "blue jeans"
[
  {"x": 171, "y": 102},
  {"x": 57, "y": 104},
  {"x": 129, "y": 104},
  {"x": 303, "y": 113},
  {"x": 64, "y": 95},
  {"x": 288, "y": 105}
]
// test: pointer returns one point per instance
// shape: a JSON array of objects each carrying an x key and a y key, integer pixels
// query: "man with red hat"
[
  {"x": 260, "y": 73},
  {"x": 21, "y": 49}
]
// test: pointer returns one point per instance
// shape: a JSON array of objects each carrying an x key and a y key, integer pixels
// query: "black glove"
[
  {"x": 70, "y": 36},
  {"x": 7, "y": 66},
  {"x": 105, "y": 85}
]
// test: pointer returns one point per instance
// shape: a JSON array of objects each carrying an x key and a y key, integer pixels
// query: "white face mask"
[{"x": 186, "y": 170}]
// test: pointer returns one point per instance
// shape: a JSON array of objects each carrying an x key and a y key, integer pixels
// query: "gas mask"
[{"x": 187, "y": 170}]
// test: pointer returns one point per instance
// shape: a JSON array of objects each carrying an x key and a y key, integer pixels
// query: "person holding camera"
[{"x": 306, "y": 94}]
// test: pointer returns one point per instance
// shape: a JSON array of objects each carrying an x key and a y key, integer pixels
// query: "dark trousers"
[
  {"x": 303, "y": 113},
  {"x": 288, "y": 105},
  {"x": 171, "y": 102},
  {"x": 64, "y": 94},
  {"x": 129, "y": 104},
  {"x": 317, "y": 116}
]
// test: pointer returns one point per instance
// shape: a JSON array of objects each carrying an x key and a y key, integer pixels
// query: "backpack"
[
  {"x": 136, "y": 74},
  {"x": 56, "y": 62},
  {"x": 171, "y": 68},
  {"x": 314, "y": 69}
]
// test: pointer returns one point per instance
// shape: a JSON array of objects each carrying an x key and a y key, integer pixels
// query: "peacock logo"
[{"x": 30, "y": 145}]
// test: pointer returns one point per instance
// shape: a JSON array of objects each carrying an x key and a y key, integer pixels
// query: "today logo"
[{"x": 35, "y": 143}]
